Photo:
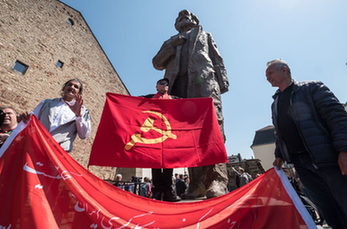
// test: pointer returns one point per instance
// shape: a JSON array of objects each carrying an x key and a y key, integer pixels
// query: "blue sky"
[{"x": 310, "y": 35}]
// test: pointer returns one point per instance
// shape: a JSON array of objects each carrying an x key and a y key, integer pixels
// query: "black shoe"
[
  {"x": 173, "y": 199},
  {"x": 156, "y": 195},
  {"x": 188, "y": 196}
]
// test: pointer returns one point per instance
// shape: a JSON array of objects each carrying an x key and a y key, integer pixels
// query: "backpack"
[
  {"x": 250, "y": 178},
  {"x": 143, "y": 190}
]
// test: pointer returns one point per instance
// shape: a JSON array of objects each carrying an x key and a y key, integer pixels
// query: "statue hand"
[{"x": 179, "y": 40}]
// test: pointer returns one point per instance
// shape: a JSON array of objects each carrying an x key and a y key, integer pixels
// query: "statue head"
[{"x": 186, "y": 21}]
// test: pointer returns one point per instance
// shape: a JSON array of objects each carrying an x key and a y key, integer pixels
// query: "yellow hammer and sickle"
[{"x": 147, "y": 126}]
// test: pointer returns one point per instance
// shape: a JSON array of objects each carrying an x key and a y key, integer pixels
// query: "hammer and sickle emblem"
[{"x": 147, "y": 126}]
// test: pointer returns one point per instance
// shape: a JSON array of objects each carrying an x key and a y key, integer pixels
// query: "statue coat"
[{"x": 206, "y": 73}]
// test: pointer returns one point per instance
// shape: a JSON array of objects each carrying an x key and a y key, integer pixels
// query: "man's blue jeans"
[{"x": 326, "y": 187}]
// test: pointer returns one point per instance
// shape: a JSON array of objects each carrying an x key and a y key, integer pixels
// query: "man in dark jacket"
[
  {"x": 311, "y": 133},
  {"x": 181, "y": 186},
  {"x": 163, "y": 183}
]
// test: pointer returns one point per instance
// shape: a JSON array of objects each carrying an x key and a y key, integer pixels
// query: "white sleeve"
[
  {"x": 83, "y": 125},
  {"x": 37, "y": 110}
]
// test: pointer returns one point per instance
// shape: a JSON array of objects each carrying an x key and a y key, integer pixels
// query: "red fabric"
[
  {"x": 42, "y": 187},
  {"x": 161, "y": 96},
  {"x": 191, "y": 124}
]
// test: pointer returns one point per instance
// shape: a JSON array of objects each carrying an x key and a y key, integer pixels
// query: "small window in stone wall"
[
  {"x": 71, "y": 22},
  {"x": 20, "y": 67},
  {"x": 60, "y": 64}
]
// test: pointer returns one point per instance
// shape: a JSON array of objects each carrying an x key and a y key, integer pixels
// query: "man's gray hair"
[
  {"x": 8, "y": 107},
  {"x": 278, "y": 64}
]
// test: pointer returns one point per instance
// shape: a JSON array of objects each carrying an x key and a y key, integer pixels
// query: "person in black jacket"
[
  {"x": 181, "y": 186},
  {"x": 311, "y": 133},
  {"x": 163, "y": 183}
]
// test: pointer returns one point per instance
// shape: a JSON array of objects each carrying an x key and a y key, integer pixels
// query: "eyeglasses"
[{"x": 163, "y": 83}]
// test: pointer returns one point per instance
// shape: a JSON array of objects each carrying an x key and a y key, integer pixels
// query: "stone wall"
[
  {"x": 39, "y": 33},
  {"x": 251, "y": 166}
]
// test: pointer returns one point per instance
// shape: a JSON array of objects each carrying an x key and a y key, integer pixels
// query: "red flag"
[
  {"x": 156, "y": 133},
  {"x": 42, "y": 187}
]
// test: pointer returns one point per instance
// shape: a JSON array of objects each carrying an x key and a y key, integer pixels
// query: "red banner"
[
  {"x": 157, "y": 133},
  {"x": 41, "y": 186}
]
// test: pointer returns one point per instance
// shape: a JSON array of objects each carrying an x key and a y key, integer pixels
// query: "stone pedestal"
[{"x": 210, "y": 181}]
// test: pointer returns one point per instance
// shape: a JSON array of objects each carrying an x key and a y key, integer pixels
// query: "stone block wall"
[
  {"x": 39, "y": 33},
  {"x": 251, "y": 166}
]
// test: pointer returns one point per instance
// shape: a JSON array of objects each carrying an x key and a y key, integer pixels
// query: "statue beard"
[{"x": 185, "y": 25}]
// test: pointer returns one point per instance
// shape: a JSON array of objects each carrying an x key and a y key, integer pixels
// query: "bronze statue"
[{"x": 195, "y": 69}]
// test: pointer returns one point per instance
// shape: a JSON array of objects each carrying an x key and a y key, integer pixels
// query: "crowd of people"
[{"x": 180, "y": 185}]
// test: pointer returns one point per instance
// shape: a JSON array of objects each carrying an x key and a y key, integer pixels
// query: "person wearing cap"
[
  {"x": 162, "y": 87},
  {"x": 163, "y": 183}
]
